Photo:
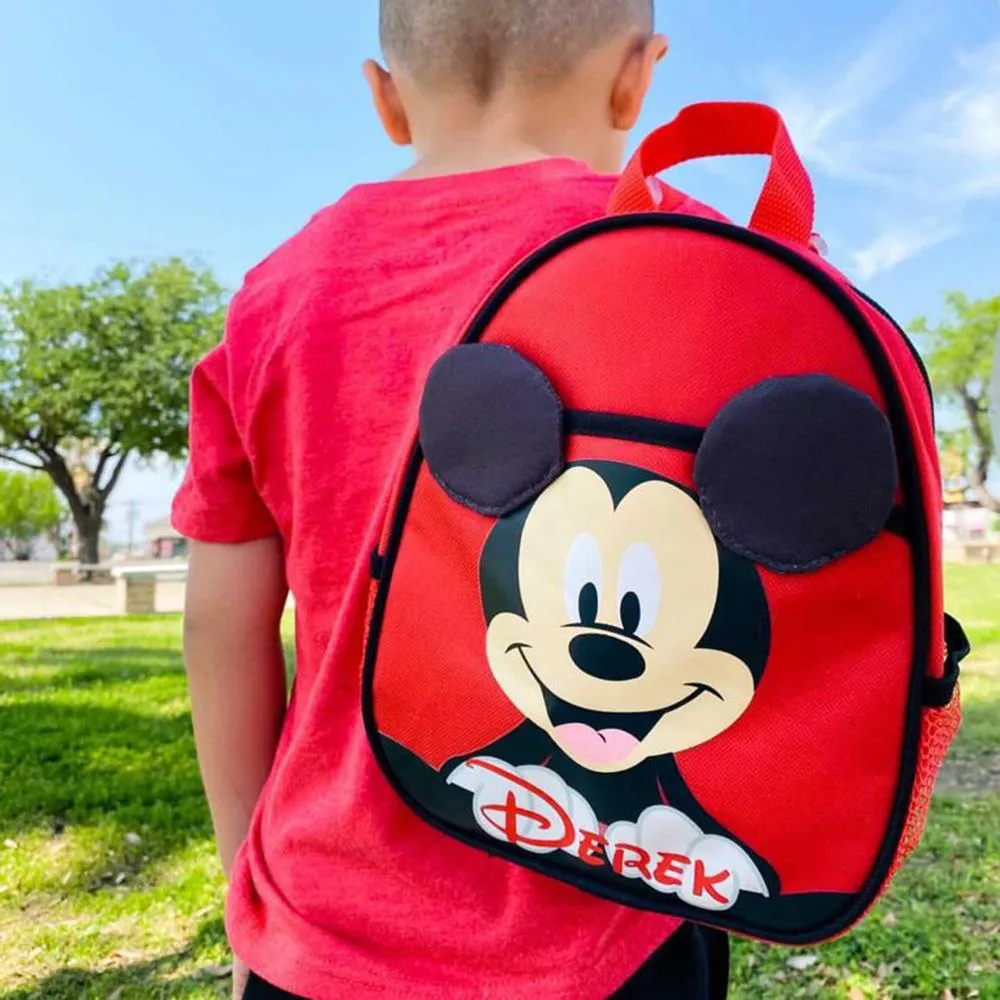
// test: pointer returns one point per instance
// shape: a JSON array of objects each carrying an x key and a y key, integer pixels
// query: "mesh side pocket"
[{"x": 938, "y": 729}]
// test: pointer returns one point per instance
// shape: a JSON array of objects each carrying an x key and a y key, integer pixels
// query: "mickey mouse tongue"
[
  {"x": 598, "y": 738},
  {"x": 590, "y": 746}
]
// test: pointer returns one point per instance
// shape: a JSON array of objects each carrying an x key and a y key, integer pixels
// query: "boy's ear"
[
  {"x": 634, "y": 80},
  {"x": 388, "y": 104}
]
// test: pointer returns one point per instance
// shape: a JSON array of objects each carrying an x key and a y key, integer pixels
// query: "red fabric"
[
  {"x": 298, "y": 423},
  {"x": 786, "y": 207},
  {"x": 808, "y": 776}
]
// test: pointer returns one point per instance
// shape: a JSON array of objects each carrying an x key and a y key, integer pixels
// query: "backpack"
[{"x": 657, "y": 608}]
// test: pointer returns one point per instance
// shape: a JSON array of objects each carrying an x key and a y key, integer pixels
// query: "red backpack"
[{"x": 658, "y": 606}]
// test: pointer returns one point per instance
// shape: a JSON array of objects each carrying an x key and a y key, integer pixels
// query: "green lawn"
[{"x": 109, "y": 886}]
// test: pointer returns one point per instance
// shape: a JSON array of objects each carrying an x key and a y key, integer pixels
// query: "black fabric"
[
  {"x": 491, "y": 428},
  {"x": 257, "y": 989},
  {"x": 692, "y": 965},
  {"x": 939, "y": 691},
  {"x": 797, "y": 472},
  {"x": 649, "y": 784}
]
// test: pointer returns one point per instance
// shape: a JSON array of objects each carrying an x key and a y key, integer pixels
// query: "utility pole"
[{"x": 133, "y": 517}]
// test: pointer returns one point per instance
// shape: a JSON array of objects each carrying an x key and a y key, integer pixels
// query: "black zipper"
[
  {"x": 904, "y": 336},
  {"x": 643, "y": 430},
  {"x": 912, "y": 519}
]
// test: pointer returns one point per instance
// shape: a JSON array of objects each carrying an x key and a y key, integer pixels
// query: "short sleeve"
[{"x": 217, "y": 501}]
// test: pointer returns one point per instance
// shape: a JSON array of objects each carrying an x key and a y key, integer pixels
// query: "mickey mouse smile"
[{"x": 603, "y": 737}]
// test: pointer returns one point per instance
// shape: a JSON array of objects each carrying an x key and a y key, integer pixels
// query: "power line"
[
  {"x": 133, "y": 518},
  {"x": 144, "y": 247}
]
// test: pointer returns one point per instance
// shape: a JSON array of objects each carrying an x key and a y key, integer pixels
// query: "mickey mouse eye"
[
  {"x": 640, "y": 590},
  {"x": 584, "y": 580}
]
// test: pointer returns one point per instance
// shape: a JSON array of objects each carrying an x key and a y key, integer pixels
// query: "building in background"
[
  {"x": 968, "y": 522},
  {"x": 162, "y": 542}
]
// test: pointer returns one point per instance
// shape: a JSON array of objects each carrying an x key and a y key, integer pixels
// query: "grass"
[
  {"x": 108, "y": 877},
  {"x": 109, "y": 887}
]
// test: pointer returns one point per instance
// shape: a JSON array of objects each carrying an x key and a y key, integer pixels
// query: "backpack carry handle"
[{"x": 786, "y": 208}]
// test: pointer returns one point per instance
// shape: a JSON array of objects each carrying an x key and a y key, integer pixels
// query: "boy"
[{"x": 518, "y": 112}]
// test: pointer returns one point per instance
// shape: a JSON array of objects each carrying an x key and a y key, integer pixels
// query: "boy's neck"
[{"x": 460, "y": 136}]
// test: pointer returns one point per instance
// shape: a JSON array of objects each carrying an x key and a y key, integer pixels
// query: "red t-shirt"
[{"x": 298, "y": 423}]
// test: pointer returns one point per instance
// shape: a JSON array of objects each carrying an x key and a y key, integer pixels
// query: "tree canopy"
[
  {"x": 29, "y": 508},
  {"x": 92, "y": 374},
  {"x": 960, "y": 354}
]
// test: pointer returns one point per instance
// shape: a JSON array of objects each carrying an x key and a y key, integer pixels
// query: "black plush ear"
[
  {"x": 797, "y": 472},
  {"x": 491, "y": 428}
]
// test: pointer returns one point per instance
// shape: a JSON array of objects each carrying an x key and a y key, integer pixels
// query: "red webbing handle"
[{"x": 786, "y": 208}]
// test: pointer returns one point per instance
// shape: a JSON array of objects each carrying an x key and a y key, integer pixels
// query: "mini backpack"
[{"x": 657, "y": 608}]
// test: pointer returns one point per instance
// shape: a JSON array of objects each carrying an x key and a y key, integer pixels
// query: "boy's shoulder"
[
  {"x": 276, "y": 289},
  {"x": 308, "y": 251},
  {"x": 378, "y": 233},
  {"x": 396, "y": 240},
  {"x": 370, "y": 217}
]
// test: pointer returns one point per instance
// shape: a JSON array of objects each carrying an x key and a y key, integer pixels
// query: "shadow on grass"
[
  {"x": 118, "y": 770},
  {"x": 113, "y": 666},
  {"x": 980, "y": 726},
  {"x": 154, "y": 979}
]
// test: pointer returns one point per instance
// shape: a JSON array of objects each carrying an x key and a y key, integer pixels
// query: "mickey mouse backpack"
[{"x": 657, "y": 610}]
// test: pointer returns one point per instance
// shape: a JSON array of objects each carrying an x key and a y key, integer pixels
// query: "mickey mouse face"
[
  {"x": 600, "y": 600},
  {"x": 625, "y": 614}
]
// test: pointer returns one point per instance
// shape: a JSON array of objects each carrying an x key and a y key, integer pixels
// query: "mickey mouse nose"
[{"x": 607, "y": 658}]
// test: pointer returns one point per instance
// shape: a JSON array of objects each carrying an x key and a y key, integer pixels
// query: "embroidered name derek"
[{"x": 532, "y": 808}]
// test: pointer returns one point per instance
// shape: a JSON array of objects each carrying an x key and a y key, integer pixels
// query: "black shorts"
[{"x": 692, "y": 965}]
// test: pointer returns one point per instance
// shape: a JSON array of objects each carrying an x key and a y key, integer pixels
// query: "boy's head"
[{"x": 573, "y": 63}]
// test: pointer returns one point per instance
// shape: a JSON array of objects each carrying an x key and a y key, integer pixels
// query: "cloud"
[
  {"x": 823, "y": 117},
  {"x": 970, "y": 116},
  {"x": 921, "y": 135},
  {"x": 892, "y": 247}
]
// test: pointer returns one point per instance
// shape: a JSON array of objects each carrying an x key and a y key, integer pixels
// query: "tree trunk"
[
  {"x": 986, "y": 498},
  {"x": 86, "y": 506},
  {"x": 979, "y": 474},
  {"x": 88, "y": 531}
]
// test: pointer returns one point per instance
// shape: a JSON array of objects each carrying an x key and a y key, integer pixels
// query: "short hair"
[{"x": 483, "y": 43}]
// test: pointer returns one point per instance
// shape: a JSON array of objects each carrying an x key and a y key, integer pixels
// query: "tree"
[
  {"x": 994, "y": 403},
  {"x": 94, "y": 374},
  {"x": 960, "y": 353},
  {"x": 29, "y": 507}
]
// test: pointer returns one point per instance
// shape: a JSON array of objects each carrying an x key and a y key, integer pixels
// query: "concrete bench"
[
  {"x": 982, "y": 552},
  {"x": 70, "y": 574},
  {"x": 97, "y": 574},
  {"x": 137, "y": 586},
  {"x": 978, "y": 552}
]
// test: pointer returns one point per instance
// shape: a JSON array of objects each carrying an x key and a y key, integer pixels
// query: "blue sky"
[{"x": 215, "y": 130}]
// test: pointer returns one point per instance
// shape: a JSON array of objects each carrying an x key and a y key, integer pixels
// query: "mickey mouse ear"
[
  {"x": 797, "y": 472},
  {"x": 491, "y": 428}
]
